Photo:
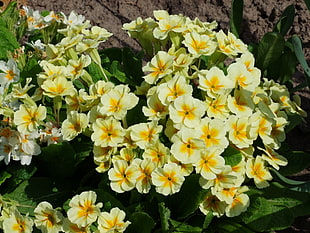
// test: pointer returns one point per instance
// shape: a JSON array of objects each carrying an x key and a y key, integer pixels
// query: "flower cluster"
[
  {"x": 82, "y": 215},
  {"x": 203, "y": 96}
]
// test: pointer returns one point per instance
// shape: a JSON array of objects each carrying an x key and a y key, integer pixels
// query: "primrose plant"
[{"x": 205, "y": 111}]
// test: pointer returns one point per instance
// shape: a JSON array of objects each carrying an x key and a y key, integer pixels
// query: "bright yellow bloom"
[
  {"x": 215, "y": 82},
  {"x": 168, "y": 180},
  {"x": 210, "y": 163},
  {"x": 199, "y": 44},
  {"x": 125, "y": 154},
  {"x": 155, "y": 110},
  {"x": 160, "y": 66},
  {"x": 28, "y": 118},
  {"x": 118, "y": 101},
  {"x": 10, "y": 72},
  {"x": 112, "y": 222},
  {"x": 241, "y": 103},
  {"x": 239, "y": 133},
  {"x": 187, "y": 110},
  {"x": 187, "y": 147},
  {"x": 74, "y": 125},
  {"x": 145, "y": 168},
  {"x": 145, "y": 134},
  {"x": 262, "y": 127},
  {"x": 107, "y": 132},
  {"x": 158, "y": 153},
  {"x": 83, "y": 210},
  {"x": 277, "y": 133},
  {"x": 123, "y": 177},
  {"x": 60, "y": 86},
  {"x": 47, "y": 219},
  {"x": 273, "y": 158},
  {"x": 213, "y": 132},
  {"x": 217, "y": 107},
  {"x": 174, "y": 88},
  {"x": 229, "y": 44},
  {"x": 239, "y": 204},
  {"x": 16, "y": 223},
  {"x": 256, "y": 169}
]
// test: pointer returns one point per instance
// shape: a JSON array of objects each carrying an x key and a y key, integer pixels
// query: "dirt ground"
[{"x": 259, "y": 18}]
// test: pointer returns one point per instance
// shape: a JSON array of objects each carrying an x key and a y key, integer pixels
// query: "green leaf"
[
  {"x": 135, "y": 115},
  {"x": 269, "y": 49},
  {"x": 8, "y": 42},
  {"x": 31, "y": 69},
  {"x": 164, "y": 214},
  {"x": 182, "y": 204},
  {"x": 286, "y": 20},
  {"x": 58, "y": 160},
  {"x": 133, "y": 66},
  {"x": 95, "y": 71},
  {"x": 300, "y": 186},
  {"x": 297, "y": 161},
  {"x": 230, "y": 226},
  {"x": 208, "y": 220},
  {"x": 275, "y": 209},
  {"x": 308, "y": 4},
  {"x": 301, "y": 59},
  {"x": 4, "y": 175},
  {"x": 141, "y": 222},
  {"x": 236, "y": 16},
  {"x": 179, "y": 227},
  {"x": 232, "y": 156}
]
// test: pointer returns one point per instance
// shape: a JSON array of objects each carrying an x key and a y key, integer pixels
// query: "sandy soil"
[{"x": 259, "y": 18}]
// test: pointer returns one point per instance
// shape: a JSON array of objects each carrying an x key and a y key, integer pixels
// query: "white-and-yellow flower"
[
  {"x": 256, "y": 169},
  {"x": 17, "y": 223},
  {"x": 168, "y": 180},
  {"x": 112, "y": 222},
  {"x": 160, "y": 66},
  {"x": 198, "y": 44},
  {"x": 107, "y": 132},
  {"x": 28, "y": 118},
  {"x": 47, "y": 219},
  {"x": 9, "y": 74},
  {"x": 60, "y": 86},
  {"x": 145, "y": 134},
  {"x": 83, "y": 210},
  {"x": 74, "y": 125},
  {"x": 187, "y": 110},
  {"x": 145, "y": 168},
  {"x": 123, "y": 177}
]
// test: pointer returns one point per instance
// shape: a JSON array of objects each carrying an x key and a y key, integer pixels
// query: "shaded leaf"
[
  {"x": 188, "y": 199},
  {"x": 164, "y": 214},
  {"x": 286, "y": 20},
  {"x": 232, "y": 156},
  {"x": 8, "y": 42},
  {"x": 179, "y": 227},
  {"x": 236, "y": 16},
  {"x": 269, "y": 49},
  {"x": 140, "y": 222},
  {"x": 297, "y": 161}
]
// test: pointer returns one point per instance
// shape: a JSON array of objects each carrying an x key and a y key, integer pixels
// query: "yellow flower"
[
  {"x": 126, "y": 154},
  {"x": 186, "y": 168},
  {"x": 60, "y": 86},
  {"x": 160, "y": 66},
  {"x": 158, "y": 153},
  {"x": 199, "y": 44},
  {"x": 123, "y": 177},
  {"x": 10, "y": 72},
  {"x": 168, "y": 180},
  {"x": 47, "y": 219},
  {"x": 256, "y": 169},
  {"x": 118, "y": 101},
  {"x": 217, "y": 107},
  {"x": 215, "y": 82},
  {"x": 83, "y": 210},
  {"x": 187, "y": 147},
  {"x": 241, "y": 103},
  {"x": 28, "y": 118},
  {"x": 112, "y": 222},
  {"x": 155, "y": 110},
  {"x": 213, "y": 132},
  {"x": 16, "y": 223},
  {"x": 145, "y": 134},
  {"x": 210, "y": 163},
  {"x": 74, "y": 125},
  {"x": 169, "y": 91},
  {"x": 239, "y": 133},
  {"x": 107, "y": 132},
  {"x": 187, "y": 110},
  {"x": 229, "y": 44},
  {"x": 273, "y": 158},
  {"x": 239, "y": 204},
  {"x": 145, "y": 168}
]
